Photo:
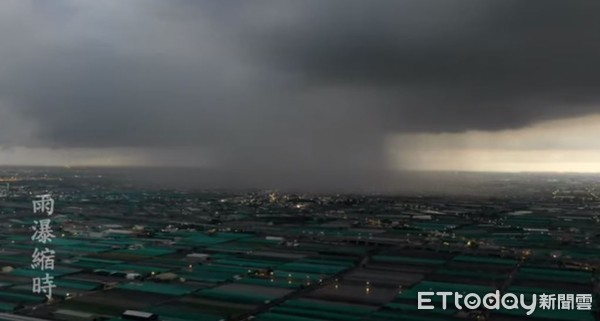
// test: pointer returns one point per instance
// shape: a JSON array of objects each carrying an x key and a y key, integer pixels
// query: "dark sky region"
[{"x": 311, "y": 88}]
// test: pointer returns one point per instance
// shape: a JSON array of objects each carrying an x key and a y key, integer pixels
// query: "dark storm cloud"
[
  {"x": 286, "y": 85},
  {"x": 450, "y": 65}
]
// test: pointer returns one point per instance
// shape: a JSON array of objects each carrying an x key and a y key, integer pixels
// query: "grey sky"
[{"x": 287, "y": 85}]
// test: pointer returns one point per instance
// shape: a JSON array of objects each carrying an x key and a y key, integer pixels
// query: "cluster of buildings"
[{"x": 129, "y": 253}]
